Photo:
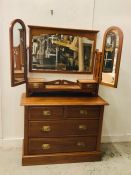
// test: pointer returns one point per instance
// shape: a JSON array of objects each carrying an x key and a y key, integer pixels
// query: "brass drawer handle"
[
  {"x": 89, "y": 86},
  {"x": 81, "y": 144},
  {"x": 82, "y": 127},
  {"x": 46, "y": 128},
  {"x": 46, "y": 113},
  {"x": 83, "y": 112},
  {"x": 46, "y": 146},
  {"x": 35, "y": 85}
]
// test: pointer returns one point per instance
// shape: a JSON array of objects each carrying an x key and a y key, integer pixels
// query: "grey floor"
[{"x": 116, "y": 161}]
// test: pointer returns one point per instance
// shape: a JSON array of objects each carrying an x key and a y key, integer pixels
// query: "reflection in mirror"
[
  {"x": 111, "y": 56},
  {"x": 18, "y": 52},
  {"x": 62, "y": 52}
]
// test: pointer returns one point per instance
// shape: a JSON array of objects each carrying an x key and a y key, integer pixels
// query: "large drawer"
[
  {"x": 82, "y": 112},
  {"x": 43, "y": 113},
  {"x": 61, "y": 145},
  {"x": 63, "y": 128}
]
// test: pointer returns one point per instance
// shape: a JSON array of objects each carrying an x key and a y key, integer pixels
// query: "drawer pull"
[
  {"x": 46, "y": 128},
  {"x": 82, "y": 127},
  {"x": 83, "y": 112},
  {"x": 81, "y": 144},
  {"x": 89, "y": 85},
  {"x": 46, "y": 146},
  {"x": 35, "y": 85},
  {"x": 46, "y": 113}
]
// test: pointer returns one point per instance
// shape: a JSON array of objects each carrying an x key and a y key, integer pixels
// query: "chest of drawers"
[{"x": 62, "y": 129}]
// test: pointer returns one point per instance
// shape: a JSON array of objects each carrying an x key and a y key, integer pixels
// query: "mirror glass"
[
  {"x": 61, "y": 52},
  {"x": 18, "y": 52},
  {"x": 111, "y": 56}
]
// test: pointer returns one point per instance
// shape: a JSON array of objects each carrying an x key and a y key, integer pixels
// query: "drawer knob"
[
  {"x": 46, "y": 113},
  {"x": 45, "y": 146},
  {"x": 46, "y": 128},
  {"x": 83, "y": 112},
  {"x": 82, "y": 127},
  {"x": 81, "y": 144}
]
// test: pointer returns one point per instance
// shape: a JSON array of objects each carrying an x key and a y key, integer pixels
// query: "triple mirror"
[{"x": 59, "y": 50}]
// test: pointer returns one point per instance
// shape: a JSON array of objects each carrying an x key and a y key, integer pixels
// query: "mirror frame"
[
  {"x": 33, "y": 30},
  {"x": 11, "y": 34},
  {"x": 120, "y": 35}
]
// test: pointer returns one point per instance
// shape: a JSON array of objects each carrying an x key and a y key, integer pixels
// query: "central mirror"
[{"x": 53, "y": 50}]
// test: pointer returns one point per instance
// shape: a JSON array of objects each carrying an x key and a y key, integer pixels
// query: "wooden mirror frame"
[
  {"x": 11, "y": 34},
  {"x": 120, "y": 33},
  {"x": 37, "y": 30}
]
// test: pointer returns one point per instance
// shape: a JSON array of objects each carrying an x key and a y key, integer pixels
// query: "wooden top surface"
[
  {"x": 42, "y": 80},
  {"x": 59, "y": 101}
]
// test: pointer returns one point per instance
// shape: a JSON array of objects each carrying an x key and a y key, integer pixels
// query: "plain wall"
[
  {"x": 0, "y": 75},
  {"x": 70, "y": 14},
  {"x": 117, "y": 118}
]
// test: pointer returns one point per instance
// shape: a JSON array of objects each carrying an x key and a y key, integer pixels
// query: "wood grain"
[
  {"x": 39, "y": 113},
  {"x": 58, "y": 101},
  {"x": 63, "y": 128},
  {"x": 61, "y": 145},
  {"x": 61, "y": 158},
  {"x": 82, "y": 112}
]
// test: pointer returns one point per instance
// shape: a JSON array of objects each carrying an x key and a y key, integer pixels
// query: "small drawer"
[
  {"x": 43, "y": 113},
  {"x": 35, "y": 85},
  {"x": 62, "y": 145},
  {"x": 89, "y": 86},
  {"x": 82, "y": 112},
  {"x": 63, "y": 128}
]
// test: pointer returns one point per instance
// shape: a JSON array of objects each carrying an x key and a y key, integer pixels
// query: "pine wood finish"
[{"x": 62, "y": 129}]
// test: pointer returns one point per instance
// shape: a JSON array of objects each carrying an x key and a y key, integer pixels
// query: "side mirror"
[
  {"x": 18, "y": 52},
  {"x": 111, "y": 56}
]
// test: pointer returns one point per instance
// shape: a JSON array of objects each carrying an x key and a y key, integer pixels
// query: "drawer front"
[
  {"x": 43, "y": 113},
  {"x": 63, "y": 128},
  {"x": 82, "y": 112},
  {"x": 35, "y": 85},
  {"x": 61, "y": 145}
]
